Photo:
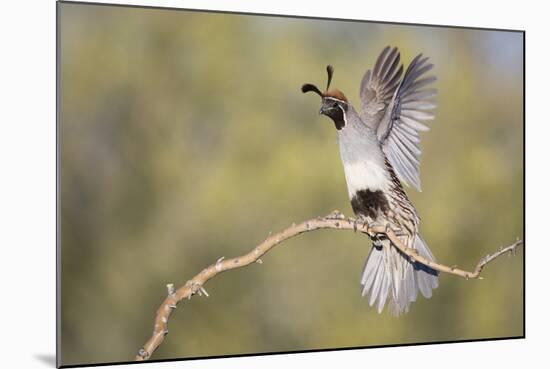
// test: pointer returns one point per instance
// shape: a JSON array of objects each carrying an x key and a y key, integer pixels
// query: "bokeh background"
[{"x": 185, "y": 137}]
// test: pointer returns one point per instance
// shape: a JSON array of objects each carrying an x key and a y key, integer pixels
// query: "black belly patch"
[{"x": 369, "y": 203}]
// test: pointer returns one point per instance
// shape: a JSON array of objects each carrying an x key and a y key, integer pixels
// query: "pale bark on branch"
[{"x": 335, "y": 220}]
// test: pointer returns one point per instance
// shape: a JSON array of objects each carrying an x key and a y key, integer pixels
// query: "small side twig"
[{"x": 335, "y": 220}]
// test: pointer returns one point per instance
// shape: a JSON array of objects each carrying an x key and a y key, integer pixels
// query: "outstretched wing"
[
  {"x": 398, "y": 131},
  {"x": 396, "y": 110},
  {"x": 379, "y": 85}
]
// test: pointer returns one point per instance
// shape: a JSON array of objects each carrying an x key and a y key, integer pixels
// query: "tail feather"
[
  {"x": 383, "y": 294},
  {"x": 370, "y": 270},
  {"x": 389, "y": 274},
  {"x": 427, "y": 277}
]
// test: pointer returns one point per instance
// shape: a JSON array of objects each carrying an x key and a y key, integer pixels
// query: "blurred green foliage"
[{"x": 184, "y": 138}]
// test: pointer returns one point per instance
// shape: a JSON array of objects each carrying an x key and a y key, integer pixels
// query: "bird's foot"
[
  {"x": 360, "y": 220},
  {"x": 378, "y": 237}
]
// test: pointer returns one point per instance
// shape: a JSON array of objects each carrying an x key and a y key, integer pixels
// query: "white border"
[{"x": 27, "y": 161}]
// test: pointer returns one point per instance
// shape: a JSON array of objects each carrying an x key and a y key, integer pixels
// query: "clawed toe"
[{"x": 360, "y": 220}]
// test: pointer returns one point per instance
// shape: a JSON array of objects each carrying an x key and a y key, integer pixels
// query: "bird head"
[{"x": 334, "y": 103}]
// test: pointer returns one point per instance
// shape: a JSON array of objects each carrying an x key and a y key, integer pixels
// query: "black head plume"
[
  {"x": 309, "y": 87},
  {"x": 330, "y": 72}
]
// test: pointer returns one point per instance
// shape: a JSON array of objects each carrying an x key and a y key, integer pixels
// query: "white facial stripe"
[
  {"x": 366, "y": 174},
  {"x": 335, "y": 99},
  {"x": 344, "y": 116}
]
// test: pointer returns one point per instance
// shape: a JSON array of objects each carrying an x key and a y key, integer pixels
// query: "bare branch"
[{"x": 335, "y": 220}]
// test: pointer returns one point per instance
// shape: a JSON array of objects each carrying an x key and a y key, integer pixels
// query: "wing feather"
[
  {"x": 421, "y": 83},
  {"x": 398, "y": 131},
  {"x": 389, "y": 65},
  {"x": 425, "y": 94},
  {"x": 392, "y": 84},
  {"x": 397, "y": 108},
  {"x": 379, "y": 85},
  {"x": 417, "y": 114},
  {"x": 414, "y": 124},
  {"x": 380, "y": 60}
]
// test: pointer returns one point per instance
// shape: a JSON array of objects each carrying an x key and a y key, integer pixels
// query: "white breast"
[{"x": 365, "y": 174}]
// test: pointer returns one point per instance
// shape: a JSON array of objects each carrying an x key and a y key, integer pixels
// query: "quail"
[{"x": 380, "y": 150}]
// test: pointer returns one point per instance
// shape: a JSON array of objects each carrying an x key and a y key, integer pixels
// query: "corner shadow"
[{"x": 48, "y": 359}]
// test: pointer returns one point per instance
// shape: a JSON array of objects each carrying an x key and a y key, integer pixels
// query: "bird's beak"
[{"x": 324, "y": 109}]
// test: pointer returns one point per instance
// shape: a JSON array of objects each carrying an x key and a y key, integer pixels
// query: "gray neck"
[{"x": 358, "y": 140}]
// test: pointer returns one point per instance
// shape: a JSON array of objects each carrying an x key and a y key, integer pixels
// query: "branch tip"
[
  {"x": 218, "y": 265},
  {"x": 142, "y": 353},
  {"x": 203, "y": 291}
]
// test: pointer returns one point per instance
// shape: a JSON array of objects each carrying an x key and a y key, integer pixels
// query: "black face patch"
[
  {"x": 369, "y": 203},
  {"x": 334, "y": 111}
]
